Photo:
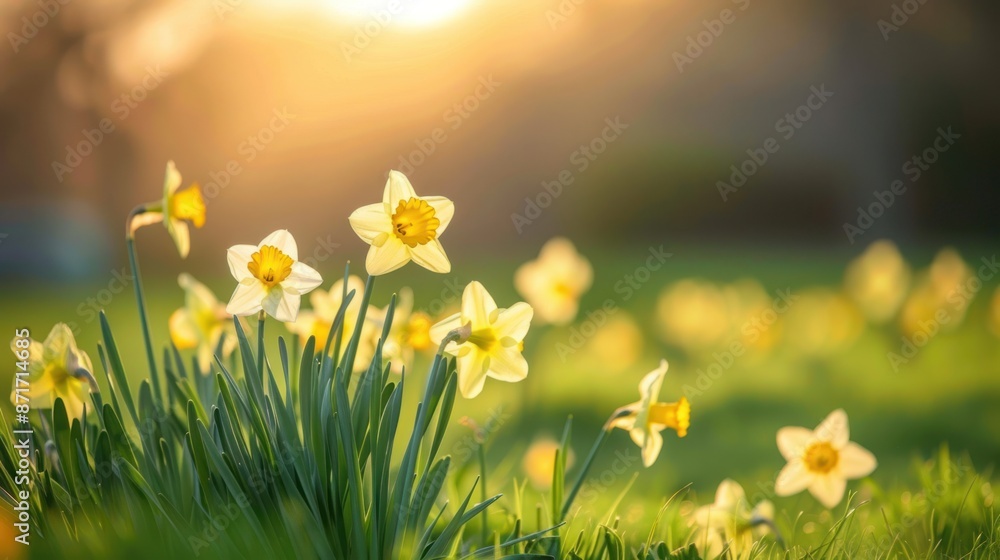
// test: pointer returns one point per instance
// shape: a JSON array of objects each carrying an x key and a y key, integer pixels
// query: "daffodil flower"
[
  {"x": 404, "y": 227},
  {"x": 409, "y": 332},
  {"x": 56, "y": 369},
  {"x": 730, "y": 524},
  {"x": 493, "y": 349},
  {"x": 822, "y": 460},
  {"x": 319, "y": 320},
  {"x": 178, "y": 208},
  {"x": 201, "y": 323},
  {"x": 646, "y": 418},
  {"x": 554, "y": 282},
  {"x": 270, "y": 277},
  {"x": 878, "y": 281}
]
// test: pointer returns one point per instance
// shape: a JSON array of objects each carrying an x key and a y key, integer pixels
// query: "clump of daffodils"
[
  {"x": 56, "y": 369},
  {"x": 647, "y": 417}
]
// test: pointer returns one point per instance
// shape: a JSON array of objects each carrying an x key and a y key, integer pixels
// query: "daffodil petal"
[
  {"x": 792, "y": 479},
  {"x": 246, "y": 299},
  {"x": 145, "y": 219},
  {"x": 793, "y": 441},
  {"x": 507, "y": 364},
  {"x": 514, "y": 321},
  {"x": 281, "y": 304},
  {"x": 649, "y": 387},
  {"x": 431, "y": 256},
  {"x": 445, "y": 326},
  {"x": 183, "y": 331},
  {"x": 178, "y": 230},
  {"x": 856, "y": 461},
  {"x": 652, "y": 447},
  {"x": 729, "y": 495},
  {"x": 199, "y": 297},
  {"x": 834, "y": 429},
  {"x": 829, "y": 490},
  {"x": 57, "y": 344},
  {"x": 171, "y": 180},
  {"x": 239, "y": 256},
  {"x": 392, "y": 255},
  {"x": 370, "y": 221},
  {"x": 284, "y": 242},
  {"x": 477, "y": 305},
  {"x": 471, "y": 373},
  {"x": 397, "y": 188},
  {"x": 302, "y": 280},
  {"x": 444, "y": 211}
]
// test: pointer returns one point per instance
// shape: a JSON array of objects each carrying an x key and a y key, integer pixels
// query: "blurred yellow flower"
[
  {"x": 878, "y": 280},
  {"x": 56, "y": 369},
  {"x": 319, "y": 320},
  {"x": 178, "y": 207},
  {"x": 822, "y": 321},
  {"x": 939, "y": 297},
  {"x": 753, "y": 315},
  {"x": 410, "y": 331},
  {"x": 270, "y": 276},
  {"x": 404, "y": 227},
  {"x": 822, "y": 460},
  {"x": 201, "y": 323},
  {"x": 539, "y": 462},
  {"x": 647, "y": 417},
  {"x": 494, "y": 347},
  {"x": 730, "y": 522},
  {"x": 617, "y": 345},
  {"x": 692, "y": 315},
  {"x": 554, "y": 282}
]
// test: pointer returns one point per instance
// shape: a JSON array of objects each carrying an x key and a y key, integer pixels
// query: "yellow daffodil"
[
  {"x": 270, "y": 277},
  {"x": 822, "y": 460},
  {"x": 554, "y": 282},
  {"x": 730, "y": 524},
  {"x": 404, "y": 227},
  {"x": 409, "y": 333},
  {"x": 56, "y": 368},
  {"x": 823, "y": 321},
  {"x": 647, "y": 417},
  {"x": 940, "y": 296},
  {"x": 878, "y": 280},
  {"x": 494, "y": 347},
  {"x": 178, "y": 208},
  {"x": 201, "y": 323},
  {"x": 319, "y": 320},
  {"x": 540, "y": 461},
  {"x": 693, "y": 315}
]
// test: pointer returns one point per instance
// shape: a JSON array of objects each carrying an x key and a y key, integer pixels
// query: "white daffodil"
[
  {"x": 319, "y": 320},
  {"x": 494, "y": 347},
  {"x": 56, "y": 368},
  {"x": 554, "y": 282},
  {"x": 822, "y": 460},
  {"x": 201, "y": 323},
  {"x": 647, "y": 417},
  {"x": 270, "y": 277},
  {"x": 730, "y": 523},
  {"x": 404, "y": 227},
  {"x": 175, "y": 210}
]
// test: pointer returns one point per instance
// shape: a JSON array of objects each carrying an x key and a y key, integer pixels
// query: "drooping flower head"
[
  {"x": 554, "y": 282},
  {"x": 177, "y": 208},
  {"x": 404, "y": 227},
  {"x": 494, "y": 347},
  {"x": 822, "y": 460},
  {"x": 319, "y": 320},
  {"x": 730, "y": 524},
  {"x": 201, "y": 323},
  {"x": 646, "y": 418},
  {"x": 56, "y": 369},
  {"x": 270, "y": 277}
]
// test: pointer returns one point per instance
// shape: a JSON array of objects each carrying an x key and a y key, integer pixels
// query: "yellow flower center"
[
  {"x": 486, "y": 339},
  {"x": 188, "y": 204},
  {"x": 418, "y": 331},
  {"x": 672, "y": 415},
  {"x": 821, "y": 457},
  {"x": 270, "y": 265},
  {"x": 414, "y": 222},
  {"x": 563, "y": 289}
]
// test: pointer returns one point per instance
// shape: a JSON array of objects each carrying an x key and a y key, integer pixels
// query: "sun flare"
[{"x": 409, "y": 12}]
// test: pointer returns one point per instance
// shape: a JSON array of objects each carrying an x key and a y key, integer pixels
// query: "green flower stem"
[
  {"x": 589, "y": 461},
  {"x": 140, "y": 300},
  {"x": 482, "y": 488},
  {"x": 260, "y": 343}
]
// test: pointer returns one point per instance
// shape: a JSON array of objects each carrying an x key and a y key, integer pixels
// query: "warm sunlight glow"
[{"x": 406, "y": 12}]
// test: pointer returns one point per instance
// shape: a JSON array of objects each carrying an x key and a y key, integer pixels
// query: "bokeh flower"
[
  {"x": 878, "y": 280},
  {"x": 692, "y": 314},
  {"x": 821, "y": 460},
  {"x": 553, "y": 283},
  {"x": 493, "y": 349},
  {"x": 201, "y": 323},
  {"x": 646, "y": 418},
  {"x": 409, "y": 333},
  {"x": 539, "y": 462},
  {"x": 56, "y": 369},
  {"x": 404, "y": 227},
  {"x": 270, "y": 277},
  {"x": 822, "y": 321},
  {"x": 730, "y": 524},
  {"x": 939, "y": 296},
  {"x": 176, "y": 210},
  {"x": 319, "y": 320}
]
